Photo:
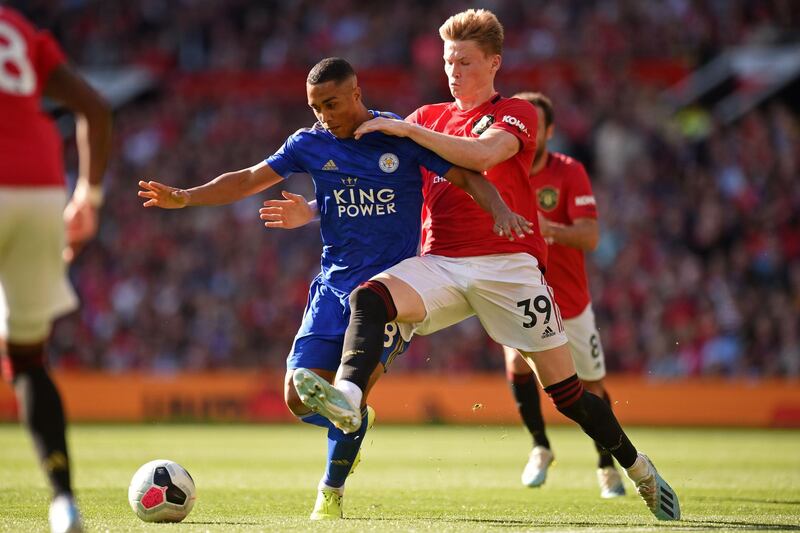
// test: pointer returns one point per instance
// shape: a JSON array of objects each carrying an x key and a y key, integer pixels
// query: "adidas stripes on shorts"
[{"x": 507, "y": 293}]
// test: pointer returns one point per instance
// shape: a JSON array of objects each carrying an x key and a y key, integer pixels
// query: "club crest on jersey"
[
  {"x": 482, "y": 124},
  {"x": 547, "y": 198},
  {"x": 388, "y": 162}
]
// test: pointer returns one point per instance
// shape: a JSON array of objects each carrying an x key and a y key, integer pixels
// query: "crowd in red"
[{"x": 698, "y": 268}]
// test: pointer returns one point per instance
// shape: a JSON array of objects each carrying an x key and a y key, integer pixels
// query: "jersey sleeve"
[
  {"x": 431, "y": 161},
  {"x": 49, "y": 55},
  {"x": 580, "y": 198},
  {"x": 415, "y": 117},
  {"x": 518, "y": 118},
  {"x": 286, "y": 160}
]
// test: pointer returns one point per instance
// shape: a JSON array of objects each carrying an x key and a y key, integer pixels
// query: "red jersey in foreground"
[
  {"x": 453, "y": 224},
  {"x": 564, "y": 194},
  {"x": 30, "y": 146}
]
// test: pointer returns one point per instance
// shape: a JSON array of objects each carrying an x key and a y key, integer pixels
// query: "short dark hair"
[
  {"x": 330, "y": 69},
  {"x": 542, "y": 102}
]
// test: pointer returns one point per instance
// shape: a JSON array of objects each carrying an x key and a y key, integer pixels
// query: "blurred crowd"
[{"x": 698, "y": 268}]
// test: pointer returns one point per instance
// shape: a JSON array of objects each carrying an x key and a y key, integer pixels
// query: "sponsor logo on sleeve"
[
  {"x": 582, "y": 201},
  {"x": 514, "y": 121}
]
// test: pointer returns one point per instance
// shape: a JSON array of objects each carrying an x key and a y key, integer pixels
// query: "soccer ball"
[{"x": 161, "y": 491}]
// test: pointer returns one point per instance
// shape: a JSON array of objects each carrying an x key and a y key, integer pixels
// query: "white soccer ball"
[{"x": 161, "y": 491}]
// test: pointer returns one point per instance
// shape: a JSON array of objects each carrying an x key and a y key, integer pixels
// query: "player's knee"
[
  {"x": 290, "y": 396},
  {"x": 17, "y": 360},
  {"x": 372, "y": 299}
]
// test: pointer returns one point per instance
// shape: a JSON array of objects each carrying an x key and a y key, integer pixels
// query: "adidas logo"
[
  {"x": 330, "y": 165},
  {"x": 548, "y": 332}
]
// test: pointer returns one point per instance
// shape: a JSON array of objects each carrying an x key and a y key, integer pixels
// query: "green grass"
[{"x": 413, "y": 478}]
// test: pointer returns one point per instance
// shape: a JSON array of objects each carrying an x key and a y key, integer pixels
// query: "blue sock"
[
  {"x": 316, "y": 419},
  {"x": 342, "y": 451}
]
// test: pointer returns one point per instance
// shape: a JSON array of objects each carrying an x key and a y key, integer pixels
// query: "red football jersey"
[
  {"x": 563, "y": 194},
  {"x": 31, "y": 152},
  {"x": 453, "y": 224}
]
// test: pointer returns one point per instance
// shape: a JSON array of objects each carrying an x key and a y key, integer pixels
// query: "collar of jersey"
[{"x": 480, "y": 109}]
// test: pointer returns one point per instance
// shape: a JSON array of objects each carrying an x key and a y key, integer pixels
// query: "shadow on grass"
[
  {"x": 737, "y": 524},
  {"x": 221, "y": 523},
  {"x": 774, "y": 501},
  {"x": 682, "y": 525}
]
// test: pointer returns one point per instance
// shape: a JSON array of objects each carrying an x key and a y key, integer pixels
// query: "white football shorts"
[
  {"x": 34, "y": 288},
  {"x": 585, "y": 346},
  {"x": 507, "y": 293}
]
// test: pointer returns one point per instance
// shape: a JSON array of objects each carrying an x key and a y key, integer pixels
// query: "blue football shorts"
[{"x": 318, "y": 343}]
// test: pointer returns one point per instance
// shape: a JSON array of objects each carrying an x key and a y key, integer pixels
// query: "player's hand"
[
  {"x": 509, "y": 224},
  {"x": 389, "y": 126},
  {"x": 163, "y": 196},
  {"x": 548, "y": 228},
  {"x": 80, "y": 219},
  {"x": 290, "y": 213}
]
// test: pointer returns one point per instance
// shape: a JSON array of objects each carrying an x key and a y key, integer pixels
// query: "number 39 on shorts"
[{"x": 540, "y": 305}]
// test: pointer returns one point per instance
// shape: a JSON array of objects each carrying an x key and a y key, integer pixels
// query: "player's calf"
[
  {"x": 594, "y": 416},
  {"x": 41, "y": 410}
]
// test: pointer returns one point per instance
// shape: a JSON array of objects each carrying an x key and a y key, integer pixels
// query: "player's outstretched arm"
[
  {"x": 482, "y": 153},
  {"x": 293, "y": 212},
  {"x": 506, "y": 222},
  {"x": 583, "y": 233},
  {"x": 224, "y": 189}
]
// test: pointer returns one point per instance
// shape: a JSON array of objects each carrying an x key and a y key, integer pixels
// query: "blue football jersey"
[{"x": 369, "y": 195}]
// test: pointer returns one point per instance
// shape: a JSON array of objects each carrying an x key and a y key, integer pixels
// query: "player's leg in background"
[
  {"x": 611, "y": 485},
  {"x": 41, "y": 410},
  {"x": 587, "y": 354},
  {"x": 525, "y": 390},
  {"x": 35, "y": 288}
]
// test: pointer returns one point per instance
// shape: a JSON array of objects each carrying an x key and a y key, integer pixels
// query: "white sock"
[
  {"x": 639, "y": 469},
  {"x": 338, "y": 490},
  {"x": 351, "y": 391}
]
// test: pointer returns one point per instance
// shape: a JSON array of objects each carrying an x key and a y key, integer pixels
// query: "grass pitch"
[{"x": 412, "y": 478}]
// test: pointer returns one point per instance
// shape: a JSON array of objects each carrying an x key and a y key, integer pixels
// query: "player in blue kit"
[{"x": 369, "y": 197}]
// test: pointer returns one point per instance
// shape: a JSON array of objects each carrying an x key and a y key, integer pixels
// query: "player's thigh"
[
  {"x": 407, "y": 301},
  {"x": 318, "y": 343},
  {"x": 514, "y": 304},
  {"x": 443, "y": 299},
  {"x": 32, "y": 271},
  {"x": 585, "y": 346}
]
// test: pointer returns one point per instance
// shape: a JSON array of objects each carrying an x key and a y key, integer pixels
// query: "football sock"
[
  {"x": 42, "y": 412},
  {"x": 342, "y": 451},
  {"x": 316, "y": 419},
  {"x": 604, "y": 457},
  {"x": 526, "y": 394},
  {"x": 594, "y": 416},
  {"x": 371, "y": 307}
]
